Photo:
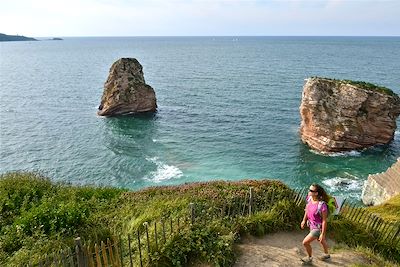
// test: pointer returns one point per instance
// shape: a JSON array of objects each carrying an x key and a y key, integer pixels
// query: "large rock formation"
[
  {"x": 125, "y": 91},
  {"x": 382, "y": 186},
  {"x": 346, "y": 115}
]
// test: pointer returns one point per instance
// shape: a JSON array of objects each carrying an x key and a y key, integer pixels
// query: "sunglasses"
[{"x": 316, "y": 191}]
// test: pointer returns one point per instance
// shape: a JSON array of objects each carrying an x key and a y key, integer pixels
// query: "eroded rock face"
[
  {"x": 125, "y": 90},
  {"x": 340, "y": 116},
  {"x": 380, "y": 187}
]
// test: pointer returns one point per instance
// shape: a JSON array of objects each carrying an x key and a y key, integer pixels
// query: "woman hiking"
[{"x": 315, "y": 216}]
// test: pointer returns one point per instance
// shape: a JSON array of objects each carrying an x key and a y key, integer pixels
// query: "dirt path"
[{"x": 285, "y": 249}]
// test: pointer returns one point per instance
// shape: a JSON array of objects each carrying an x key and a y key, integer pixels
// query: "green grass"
[
  {"x": 363, "y": 85},
  {"x": 389, "y": 211},
  {"x": 39, "y": 217},
  {"x": 356, "y": 234}
]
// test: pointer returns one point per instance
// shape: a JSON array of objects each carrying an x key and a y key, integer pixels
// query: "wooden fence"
[
  {"x": 140, "y": 247},
  {"x": 105, "y": 254},
  {"x": 386, "y": 232}
]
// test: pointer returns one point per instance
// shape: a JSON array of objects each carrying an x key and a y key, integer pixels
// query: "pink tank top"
[{"x": 314, "y": 217}]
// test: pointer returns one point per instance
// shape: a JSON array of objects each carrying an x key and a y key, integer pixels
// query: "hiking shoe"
[
  {"x": 325, "y": 257},
  {"x": 306, "y": 260}
]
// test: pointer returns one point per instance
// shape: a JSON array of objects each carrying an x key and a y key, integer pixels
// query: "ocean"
[{"x": 228, "y": 109}]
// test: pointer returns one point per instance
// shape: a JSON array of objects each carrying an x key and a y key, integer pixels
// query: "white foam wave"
[
  {"x": 341, "y": 183},
  {"x": 163, "y": 172},
  {"x": 352, "y": 153}
]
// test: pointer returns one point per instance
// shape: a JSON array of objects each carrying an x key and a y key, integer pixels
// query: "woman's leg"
[
  {"x": 324, "y": 245},
  {"x": 307, "y": 243}
]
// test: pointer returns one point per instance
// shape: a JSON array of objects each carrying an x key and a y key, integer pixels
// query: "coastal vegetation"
[
  {"x": 389, "y": 211},
  {"x": 38, "y": 217},
  {"x": 363, "y": 85}
]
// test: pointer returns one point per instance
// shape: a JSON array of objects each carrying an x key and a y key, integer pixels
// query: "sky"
[{"x": 63, "y": 18}]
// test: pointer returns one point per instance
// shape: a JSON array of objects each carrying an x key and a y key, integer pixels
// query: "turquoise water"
[{"x": 228, "y": 109}]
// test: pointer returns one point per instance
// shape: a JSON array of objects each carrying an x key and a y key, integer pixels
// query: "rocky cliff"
[
  {"x": 345, "y": 115},
  {"x": 382, "y": 186},
  {"x": 125, "y": 91}
]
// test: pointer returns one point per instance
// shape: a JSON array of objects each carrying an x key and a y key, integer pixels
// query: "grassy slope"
[
  {"x": 389, "y": 211},
  {"x": 38, "y": 217}
]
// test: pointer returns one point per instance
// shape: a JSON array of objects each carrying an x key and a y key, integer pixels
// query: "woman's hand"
[
  {"x": 303, "y": 223},
  {"x": 321, "y": 238}
]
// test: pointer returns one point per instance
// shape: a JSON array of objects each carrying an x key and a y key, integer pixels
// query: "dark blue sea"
[{"x": 228, "y": 108}]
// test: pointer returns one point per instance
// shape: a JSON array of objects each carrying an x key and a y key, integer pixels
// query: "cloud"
[{"x": 199, "y": 17}]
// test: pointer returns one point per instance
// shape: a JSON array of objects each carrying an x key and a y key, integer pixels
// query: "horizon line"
[{"x": 122, "y": 36}]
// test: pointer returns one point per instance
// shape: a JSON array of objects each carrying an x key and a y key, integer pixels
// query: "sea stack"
[
  {"x": 342, "y": 115},
  {"x": 125, "y": 91}
]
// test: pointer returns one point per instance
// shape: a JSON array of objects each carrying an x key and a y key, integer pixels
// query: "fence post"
[
  {"x": 296, "y": 196},
  {"x": 361, "y": 216},
  {"x": 121, "y": 250},
  {"x": 251, "y": 201},
  {"x": 130, "y": 250},
  {"x": 342, "y": 206},
  {"x": 98, "y": 259},
  {"x": 110, "y": 251},
  {"x": 191, "y": 212},
  {"x": 163, "y": 229},
  {"x": 369, "y": 220},
  {"x": 351, "y": 211},
  {"x": 140, "y": 249},
  {"x": 89, "y": 254},
  {"x": 395, "y": 235},
  {"x": 146, "y": 225},
  {"x": 79, "y": 253},
  {"x": 387, "y": 232},
  {"x": 374, "y": 223},
  {"x": 155, "y": 234},
  {"x": 243, "y": 211},
  {"x": 104, "y": 253},
  {"x": 303, "y": 196}
]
